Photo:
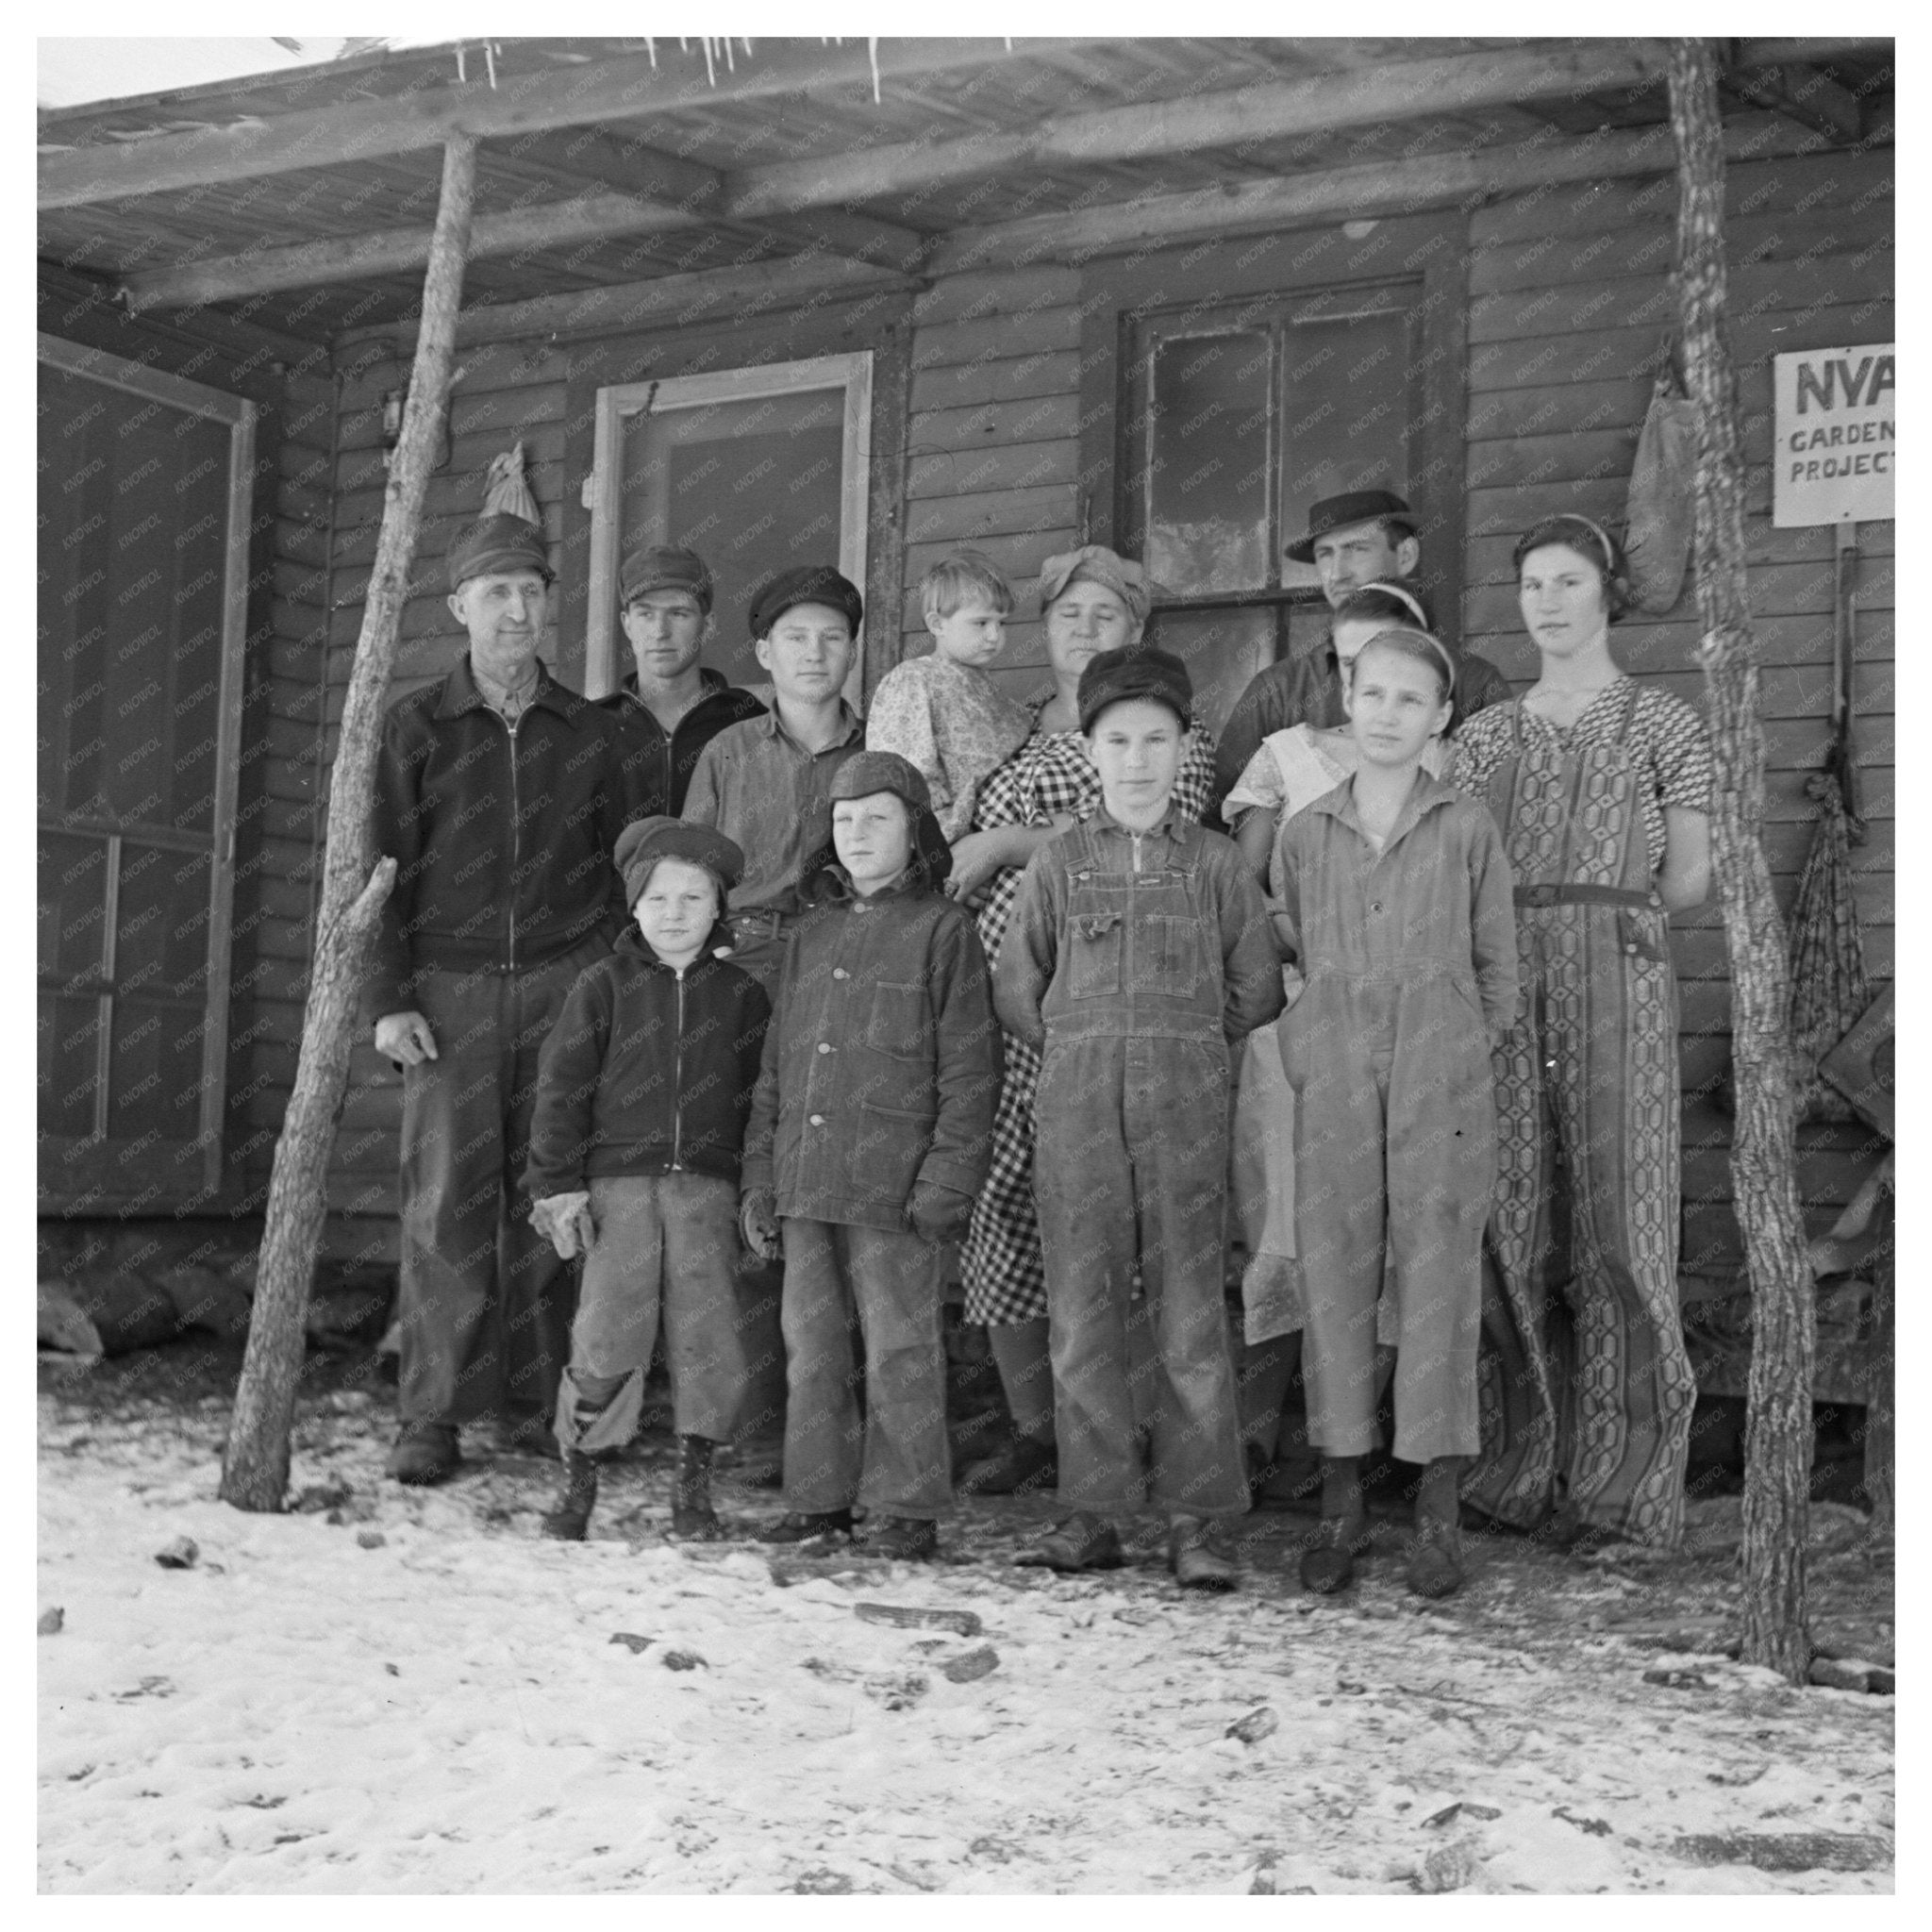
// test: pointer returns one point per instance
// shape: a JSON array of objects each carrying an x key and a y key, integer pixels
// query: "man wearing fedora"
[
  {"x": 500, "y": 794},
  {"x": 671, "y": 706},
  {"x": 1361, "y": 537}
]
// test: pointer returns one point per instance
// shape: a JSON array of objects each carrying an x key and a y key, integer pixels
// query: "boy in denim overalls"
[{"x": 1140, "y": 953}]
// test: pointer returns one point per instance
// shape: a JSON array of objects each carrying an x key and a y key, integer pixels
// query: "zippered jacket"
[
  {"x": 659, "y": 763},
  {"x": 882, "y": 1066},
  {"x": 501, "y": 837},
  {"x": 647, "y": 1070}
]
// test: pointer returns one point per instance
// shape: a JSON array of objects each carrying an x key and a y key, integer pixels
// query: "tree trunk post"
[
  {"x": 1777, "y": 1434},
  {"x": 255, "y": 1467}
]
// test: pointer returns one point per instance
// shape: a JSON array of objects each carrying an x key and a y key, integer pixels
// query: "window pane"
[
  {"x": 1207, "y": 470},
  {"x": 154, "y": 1074},
  {"x": 1223, "y": 650},
  {"x": 1345, "y": 404},
  {"x": 73, "y": 903},
  {"x": 752, "y": 486},
  {"x": 161, "y": 944},
  {"x": 69, "y": 1030}
]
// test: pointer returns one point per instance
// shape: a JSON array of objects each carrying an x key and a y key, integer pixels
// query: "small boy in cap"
[
  {"x": 643, "y": 1091},
  {"x": 871, "y": 1131},
  {"x": 765, "y": 782},
  {"x": 670, "y": 705},
  {"x": 1139, "y": 956}
]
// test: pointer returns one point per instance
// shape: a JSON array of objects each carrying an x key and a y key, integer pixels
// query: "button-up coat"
[{"x": 882, "y": 1062}]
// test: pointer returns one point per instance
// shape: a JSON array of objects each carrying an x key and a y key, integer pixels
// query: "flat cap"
[
  {"x": 665, "y": 567},
  {"x": 1351, "y": 506},
  {"x": 1136, "y": 672},
  {"x": 805, "y": 583},
  {"x": 645, "y": 842},
  {"x": 1095, "y": 561},
  {"x": 498, "y": 543}
]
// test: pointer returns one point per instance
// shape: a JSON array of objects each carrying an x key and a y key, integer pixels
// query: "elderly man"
[
  {"x": 500, "y": 794},
  {"x": 672, "y": 705},
  {"x": 1361, "y": 537}
]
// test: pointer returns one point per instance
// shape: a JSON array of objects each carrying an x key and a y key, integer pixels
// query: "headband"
[
  {"x": 1402, "y": 597},
  {"x": 1596, "y": 530},
  {"x": 1425, "y": 636}
]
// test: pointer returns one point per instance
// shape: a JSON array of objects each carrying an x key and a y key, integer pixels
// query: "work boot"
[
  {"x": 526, "y": 1432},
  {"x": 807, "y": 1527},
  {"x": 1435, "y": 1558},
  {"x": 1328, "y": 1563},
  {"x": 910, "y": 1538},
  {"x": 425, "y": 1452},
  {"x": 569, "y": 1520},
  {"x": 693, "y": 1519},
  {"x": 1025, "y": 1464},
  {"x": 1198, "y": 1555},
  {"x": 1083, "y": 1542}
]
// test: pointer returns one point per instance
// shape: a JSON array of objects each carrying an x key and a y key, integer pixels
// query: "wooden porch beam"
[
  {"x": 758, "y": 287},
  {"x": 619, "y": 90},
  {"x": 1802, "y": 94},
  {"x": 1385, "y": 188},
  {"x": 1320, "y": 104}
]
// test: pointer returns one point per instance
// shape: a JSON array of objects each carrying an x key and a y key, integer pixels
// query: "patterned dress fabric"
[
  {"x": 1001, "y": 1262},
  {"x": 953, "y": 724},
  {"x": 1588, "y": 1079}
]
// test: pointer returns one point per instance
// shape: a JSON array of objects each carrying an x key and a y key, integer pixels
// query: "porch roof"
[{"x": 302, "y": 201}]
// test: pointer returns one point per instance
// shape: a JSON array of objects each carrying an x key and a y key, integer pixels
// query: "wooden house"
[{"x": 862, "y": 301}]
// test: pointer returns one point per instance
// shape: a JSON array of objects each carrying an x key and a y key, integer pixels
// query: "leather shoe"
[
  {"x": 1435, "y": 1558},
  {"x": 1328, "y": 1563},
  {"x": 1025, "y": 1464},
  {"x": 807, "y": 1527},
  {"x": 425, "y": 1452},
  {"x": 1083, "y": 1542},
  {"x": 910, "y": 1538},
  {"x": 1199, "y": 1556}
]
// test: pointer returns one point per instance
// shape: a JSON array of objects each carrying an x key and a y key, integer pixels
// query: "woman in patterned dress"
[
  {"x": 1092, "y": 600},
  {"x": 1602, "y": 787}
]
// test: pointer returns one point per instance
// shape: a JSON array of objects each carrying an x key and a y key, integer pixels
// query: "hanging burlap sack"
[{"x": 1660, "y": 519}]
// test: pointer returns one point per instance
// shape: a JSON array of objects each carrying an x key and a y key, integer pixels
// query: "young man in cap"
[
  {"x": 766, "y": 783},
  {"x": 1361, "y": 537},
  {"x": 670, "y": 705},
  {"x": 871, "y": 1132},
  {"x": 1139, "y": 955},
  {"x": 500, "y": 794}
]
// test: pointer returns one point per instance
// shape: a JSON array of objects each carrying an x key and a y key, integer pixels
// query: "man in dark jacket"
[
  {"x": 500, "y": 794},
  {"x": 1361, "y": 537},
  {"x": 671, "y": 706}
]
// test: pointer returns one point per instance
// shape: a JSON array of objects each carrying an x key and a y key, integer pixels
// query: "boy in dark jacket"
[
  {"x": 643, "y": 1090},
  {"x": 871, "y": 1132}
]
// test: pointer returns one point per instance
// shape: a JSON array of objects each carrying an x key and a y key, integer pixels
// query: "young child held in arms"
[
  {"x": 643, "y": 1090},
  {"x": 871, "y": 1131},
  {"x": 1397, "y": 900},
  {"x": 1138, "y": 958},
  {"x": 942, "y": 714}
]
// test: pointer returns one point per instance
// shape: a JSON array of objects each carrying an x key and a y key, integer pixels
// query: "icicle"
[
  {"x": 461, "y": 76},
  {"x": 651, "y": 48},
  {"x": 489, "y": 63},
  {"x": 872, "y": 48},
  {"x": 509, "y": 487},
  {"x": 711, "y": 68},
  {"x": 731, "y": 65}
]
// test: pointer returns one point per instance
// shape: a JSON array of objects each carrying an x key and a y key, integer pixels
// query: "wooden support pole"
[
  {"x": 1764, "y": 1167},
  {"x": 254, "y": 1470}
]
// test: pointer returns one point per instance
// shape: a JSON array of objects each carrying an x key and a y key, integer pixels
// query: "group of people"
[{"x": 753, "y": 1016}]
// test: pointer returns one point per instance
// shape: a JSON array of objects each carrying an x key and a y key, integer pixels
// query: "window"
[
  {"x": 1252, "y": 379},
  {"x": 144, "y": 483},
  {"x": 754, "y": 469}
]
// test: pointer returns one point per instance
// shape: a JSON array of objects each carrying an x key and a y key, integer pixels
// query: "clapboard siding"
[{"x": 1570, "y": 302}]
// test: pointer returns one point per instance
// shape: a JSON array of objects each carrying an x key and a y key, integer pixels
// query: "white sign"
[{"x": 1837, "y": 436}]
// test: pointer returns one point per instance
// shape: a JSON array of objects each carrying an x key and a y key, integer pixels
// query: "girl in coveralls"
[
  {"x": 1138, "y": 958},
  {"x": 1396, "y": 900}
]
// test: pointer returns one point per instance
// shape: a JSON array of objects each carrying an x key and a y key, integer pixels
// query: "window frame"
[
  {"x": 159, "y": 1176},
  {"x": 1116, "y": 292}
]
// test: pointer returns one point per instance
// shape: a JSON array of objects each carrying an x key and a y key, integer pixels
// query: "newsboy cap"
[
  {"x": 498, "y": 543},
  {"x": 645, "y": 842},
  {"x": 1135, "y": 672},
  {"x": 1351, "y": 506},
  {"x": 805, "y": 583},
  {"x": 665, "y": 567}
]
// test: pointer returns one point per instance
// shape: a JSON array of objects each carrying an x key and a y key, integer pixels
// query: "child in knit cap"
[
  {"x": 944, "y": 714},
  {"x": 644, "y": 1087},
  {"x": 870, "y": 1135}
]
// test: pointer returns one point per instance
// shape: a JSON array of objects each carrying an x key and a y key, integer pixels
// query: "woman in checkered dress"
[{"x": 1092, "y": 600}]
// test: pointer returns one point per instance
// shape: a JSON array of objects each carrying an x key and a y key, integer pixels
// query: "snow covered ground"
[{"x": 423, "y": 1697}]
